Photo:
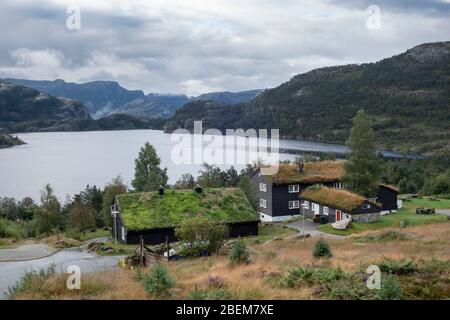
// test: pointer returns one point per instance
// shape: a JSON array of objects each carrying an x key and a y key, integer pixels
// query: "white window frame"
[
  {"x": 326, "y": 210},
  {"x": 294, "y": 188},
  {"x": 339, "y": 185},
  {"x": 294, "y": 204},
  {"x": 263, "y": 203},
  {"x": 306, "y": 204},
  {"x": 374, "y": 200},
  {"x": 313, "y": 206},
  {"x": 263, "y": 187},
  {"x": 366, "y": 206}
]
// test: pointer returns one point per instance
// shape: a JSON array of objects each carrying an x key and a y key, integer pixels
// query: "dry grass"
[
  {"x": 336, "y": 198},
  {"x": 314, "y": 172},
  {"x": 275, "y": 258}
]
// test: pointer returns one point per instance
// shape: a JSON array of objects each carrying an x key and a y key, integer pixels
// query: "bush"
[
  {"x": 10, "y": 229},
  {"x": 321, "y": 249},
  {"x": 397, "y": 267},
  {"x": 158, "y": 281},
  {"x": 201, "y": 236},
  {"x": 31, "y": 281},
  {"x": 390, "y": 288},
  {"x": 239, "y": 253}
]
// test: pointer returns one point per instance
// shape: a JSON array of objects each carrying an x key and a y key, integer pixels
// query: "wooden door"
[{"x": 338, "y": 215}]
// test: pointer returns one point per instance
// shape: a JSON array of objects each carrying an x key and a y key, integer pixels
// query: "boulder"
[{"x": 341, "y": 225}]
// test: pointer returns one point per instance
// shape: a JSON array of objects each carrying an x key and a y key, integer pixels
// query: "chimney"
[
  {"x": 198, "y": 188},
  {"x": 161, "y": 190},
  {"x": 299, "y": 166}
]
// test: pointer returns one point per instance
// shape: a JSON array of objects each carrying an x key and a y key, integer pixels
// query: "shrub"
[
  {"x": 31, "y": 281},
  {"x": 321, "y": 249},
  {"x": 215, "y": 282},
  {"x": 158, "y": 281},
  {"x": 10, "y": 229},
  {"x": 201, "y": 236},
  {"x": 239, "y": 253},
  {"x": 397, "y": 267},
  {"x": 197, "y": 294},
  {"x": 390, "y": 288}
]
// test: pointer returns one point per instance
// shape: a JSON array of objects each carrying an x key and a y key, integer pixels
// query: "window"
[
  {"x": 366, "y": 206},
  {"x": 314, "y": 206},
  {"x": 294, "y": 204},
  {"x": 374, "y": 200},
  {"x": 306, "y": 204},
  {"x": 325, "y": 211},
  {"x": 338, "y": 185},
  {"x": 123, "y": 233},
  {"x": 263, "y": 203},
  {"x": 263, "y": 187},
  {"x": 294, "y": 188}
]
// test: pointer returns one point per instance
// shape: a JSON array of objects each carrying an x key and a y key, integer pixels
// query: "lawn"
[
  {"x": 407, "y": 213},
  {"x": 270, "y": 231}
]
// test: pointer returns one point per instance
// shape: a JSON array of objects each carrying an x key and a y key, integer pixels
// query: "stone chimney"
[
  {"x": 299, "y": 166},
  {"x": 198, "y": 188}
]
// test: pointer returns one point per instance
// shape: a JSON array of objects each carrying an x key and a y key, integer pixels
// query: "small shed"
[
  {"x": 337, "y": 204},
  {"x": 154, "y": 216}
]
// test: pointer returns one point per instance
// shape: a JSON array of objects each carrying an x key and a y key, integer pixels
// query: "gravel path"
[
  {"x": 26, "y": 252},
  {"x": 311, "y": 228}
]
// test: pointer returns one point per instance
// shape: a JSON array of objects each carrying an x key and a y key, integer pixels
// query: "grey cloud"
[{"x": 172, "y": 49}]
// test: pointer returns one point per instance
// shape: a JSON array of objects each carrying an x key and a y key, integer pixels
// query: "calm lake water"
[{"x": 71, "y": 160}]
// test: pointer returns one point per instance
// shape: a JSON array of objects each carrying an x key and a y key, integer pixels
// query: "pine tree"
[
  {"x": 148, "y": 175},
  {"x": 48, "y": 215},
  {"x": 363, "y": 169}
]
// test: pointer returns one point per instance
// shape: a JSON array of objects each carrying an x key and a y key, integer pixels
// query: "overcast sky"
[{"x": 197, "y": 46}]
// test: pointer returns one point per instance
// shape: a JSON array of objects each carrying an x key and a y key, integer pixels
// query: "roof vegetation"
[
  {"x": 336, "y": 198},
  {"x": 390, "y": 186},
  {"x": 313, "y": 172},
  {"x": 141, "y": 211}
]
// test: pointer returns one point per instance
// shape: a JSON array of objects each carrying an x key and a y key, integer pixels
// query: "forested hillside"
[{"x": 407, "y": 96}]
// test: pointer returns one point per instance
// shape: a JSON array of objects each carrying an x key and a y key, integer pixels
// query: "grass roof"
[
  {"x": 313, "y": 172},
  {"x": 390, "y": 186},
  {"x": 336, "y": 198},
  {"x": 141, "y": 211}
]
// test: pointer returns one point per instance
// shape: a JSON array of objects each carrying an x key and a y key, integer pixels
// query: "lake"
[{"x": 71, "y": 160}]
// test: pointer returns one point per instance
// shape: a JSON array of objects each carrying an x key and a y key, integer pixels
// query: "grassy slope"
[
  {"x": 408, "y": 212},
  {"x": 149, "y": 210},
  {"x": 270, "y": 261}
]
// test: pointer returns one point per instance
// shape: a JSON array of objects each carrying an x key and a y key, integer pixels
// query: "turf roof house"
[
  {"x": 337, "y": 204},
  {"x": 155, "y": 217},
  {"x": 279, "y": 194}
]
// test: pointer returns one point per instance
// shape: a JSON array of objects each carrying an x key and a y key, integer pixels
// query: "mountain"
[
  {"x": 153, "y": 106},
  {"x": 407, "y": 96},
  {"x": 213, "y": 114},
  {"x": 230, "y": 97},
  {"x": 100, "y": 97},
  {"x": 24, "y": 109},
  {"x": 7, "y": 140}
]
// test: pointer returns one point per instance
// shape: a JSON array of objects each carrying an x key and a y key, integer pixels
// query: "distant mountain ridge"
[
  {"x": 407, "y": 96},
  {"x": 24, "y": 109},
  {"x": 100, "y": 97},
  {"x": 103, "y": 98}
]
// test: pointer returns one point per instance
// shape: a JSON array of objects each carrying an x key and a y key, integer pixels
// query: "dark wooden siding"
[
  {"x": 256, "y": 179},
  {"x": 157, "y": 236},
  {"x": 388, "y": 198}
]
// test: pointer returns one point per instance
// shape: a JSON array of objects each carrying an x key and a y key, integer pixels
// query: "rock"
[{"x": 341, "y": 225}]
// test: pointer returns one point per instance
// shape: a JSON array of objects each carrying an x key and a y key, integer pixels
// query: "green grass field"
[{"x": 408, "y": 213}]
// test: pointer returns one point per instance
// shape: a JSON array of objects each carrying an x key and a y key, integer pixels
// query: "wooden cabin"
[{"x": 155, "y": 215}]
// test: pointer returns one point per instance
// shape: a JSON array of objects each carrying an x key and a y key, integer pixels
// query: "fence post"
[
  {"x": 141, "y": 252},
  {"x": 168, "y": 248}
]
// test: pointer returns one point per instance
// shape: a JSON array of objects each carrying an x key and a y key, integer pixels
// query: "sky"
[{"x": 199, "y": 46}]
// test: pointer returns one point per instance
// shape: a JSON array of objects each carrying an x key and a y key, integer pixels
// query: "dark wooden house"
[
  {"x": 155, "y": 215},
  {"x": 278, "y": 194},
  {"x": 337, "y": 204}
]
